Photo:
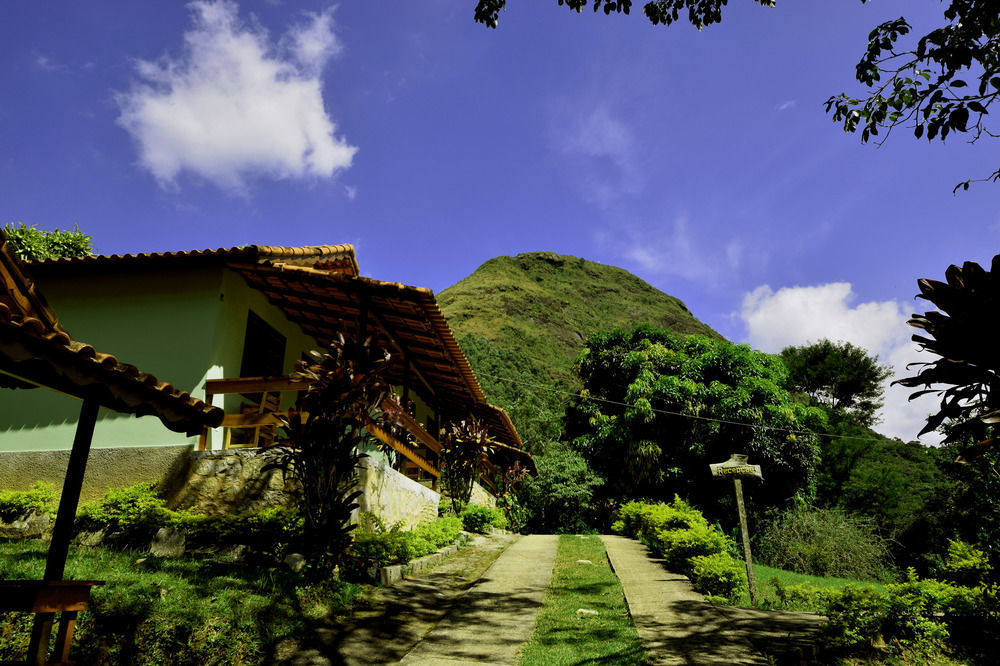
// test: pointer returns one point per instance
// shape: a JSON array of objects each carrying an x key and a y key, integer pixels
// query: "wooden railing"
[{"x": 261, "y": 419}]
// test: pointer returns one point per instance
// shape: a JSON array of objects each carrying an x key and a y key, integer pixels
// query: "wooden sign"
[{"x": 737, "y": 468}]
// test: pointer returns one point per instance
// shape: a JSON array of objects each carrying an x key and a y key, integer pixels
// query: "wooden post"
[
  {"x": 62, "y": 531},
  {"x": 751, "y": 578}
]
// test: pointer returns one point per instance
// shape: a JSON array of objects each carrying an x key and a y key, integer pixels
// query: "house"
[
  {"x": 36, "y": 351},
  {"x": 226, "y": 326}
]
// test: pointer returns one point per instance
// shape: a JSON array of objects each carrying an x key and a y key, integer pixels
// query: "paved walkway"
[
  {"x": 490, "y": 622},
  {"x": 677, "y": 626}
]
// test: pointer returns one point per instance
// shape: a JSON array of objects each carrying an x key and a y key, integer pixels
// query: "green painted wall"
[{"x": 162, "y": 322}]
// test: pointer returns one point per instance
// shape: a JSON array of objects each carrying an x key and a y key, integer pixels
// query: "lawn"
[
  {"x": 175, "y": 611},
  {"x": 564, "y": 636},
  {"x": 767, "y": 591}
]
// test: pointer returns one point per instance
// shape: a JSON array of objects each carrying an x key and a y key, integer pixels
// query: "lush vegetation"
[
  {"x": 523, "y": 321},
  {"x": 374, "y": 545},
  {"x": 176, "y": 611},
  {"x": 825, "y": 542},
  {"x": 658, "y": 408},
  {"x": 564, "y": 636},
  {"x": 560, "y": 499},
  {"x": 33, "y": 244}
]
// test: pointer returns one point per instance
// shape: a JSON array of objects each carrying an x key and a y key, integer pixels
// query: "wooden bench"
[{"x": 45, "y": 598}]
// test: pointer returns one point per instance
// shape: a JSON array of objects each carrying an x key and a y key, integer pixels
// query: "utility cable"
[{"x": 668, "y": 412}]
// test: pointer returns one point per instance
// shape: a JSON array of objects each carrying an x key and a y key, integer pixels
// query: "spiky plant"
[
  {"x": 466, "y": 446},
  {"x": 962, "y": 332},
  {"x": 347, "y": 390}
]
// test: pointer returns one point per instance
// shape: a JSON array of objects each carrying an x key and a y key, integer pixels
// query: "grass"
[
  {"x": 767, "y": 592},
  {"x": 175, "y": 611},
  {"x": 563, "y": 636}
]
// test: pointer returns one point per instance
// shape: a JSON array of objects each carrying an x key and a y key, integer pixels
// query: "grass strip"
[
  {"x": 564, "y": 636},
  {"x": 175, "y": 611}
]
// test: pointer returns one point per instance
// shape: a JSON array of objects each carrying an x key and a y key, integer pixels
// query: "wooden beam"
[
  {"x": 215, "y": 387},
  {"x": 62, "y": 531},
  {"x": 405, "y": 450},
  {"x": 402, "y": 350}
]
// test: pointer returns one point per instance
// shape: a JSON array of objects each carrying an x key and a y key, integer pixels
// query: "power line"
[{"x": 741, "y": 424}]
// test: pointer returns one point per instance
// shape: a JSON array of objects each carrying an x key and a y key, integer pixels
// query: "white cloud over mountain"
[
  {"x": 236, "y": 103},
  {"x": 800, "y": 315}
]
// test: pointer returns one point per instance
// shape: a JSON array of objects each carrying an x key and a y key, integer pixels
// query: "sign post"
[{"x": 737, "y": 469}]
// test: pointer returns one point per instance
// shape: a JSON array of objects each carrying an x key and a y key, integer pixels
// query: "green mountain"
[{"x": 523, "y": 320}]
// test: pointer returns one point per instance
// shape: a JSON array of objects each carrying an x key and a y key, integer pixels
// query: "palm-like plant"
[
  {"x": 963, "y": 334},
  {"x": 347, "y": 390},
  {"x": 466, "y": 446}
]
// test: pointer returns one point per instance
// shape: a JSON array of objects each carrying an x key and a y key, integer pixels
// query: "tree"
[
  {"x": 560, "y": 498},
  {"x": 656, "y": 409},
  {"x": 347, "y": 391},
  {"x": 840, "y": 377},
  {"x": 33, "y": 244},
  {"x": 924, "y": 86}
]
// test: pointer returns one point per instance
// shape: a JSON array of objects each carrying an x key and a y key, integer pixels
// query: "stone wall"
[
  {"x": 106, "y": 468},
  {"x": 481, "y": 496},
  {"x": 234, "y": 481},
  {"x": 231, "y": 481},
  {"x": 395, "y": 498}
]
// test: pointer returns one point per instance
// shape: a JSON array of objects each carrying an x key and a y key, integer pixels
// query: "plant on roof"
[
  {"x": 33, "y": 244},
  {"x": 465, "y": 449},
  {"x": 347, "y": 389}
]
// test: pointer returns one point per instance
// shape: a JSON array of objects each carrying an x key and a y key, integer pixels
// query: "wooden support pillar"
[{"x": 62, "y": 531}]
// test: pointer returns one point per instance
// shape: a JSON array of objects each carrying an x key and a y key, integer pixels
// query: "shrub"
[
  {"x": 32, "y": 244},
  {"x": 825, "y": 542},
  {"x": 918, "y": 614},
  {"x": 129, "y": 515},
  {"x": 270, "y": 530},
  {"x": 481, "y": 518},
  {"x": 376, "y": 546},
  {"x": 41, "y": 498},
  {"x": 681, "y": 535},
  {"x": 966, "y": 564},
  {"x": 718, "y": 575}
]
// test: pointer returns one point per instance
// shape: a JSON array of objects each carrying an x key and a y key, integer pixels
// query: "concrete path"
[
  {"x": 491, "y": 621},
  {"x": 677, "y": 626}
]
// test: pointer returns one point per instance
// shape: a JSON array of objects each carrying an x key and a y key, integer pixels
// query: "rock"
[
  {"x": 31, "y": 525},
  {"x": 90, "y": 539},
  {"x": 140, "y": 561},
  {"x": 168, "y": 542},
  {"x": 295, "y": 561},
  {"x": 235, "y": 553},
  {"x": 584, "y": 562},
  {"x": 586, "y": 611},
  {"x": 203, "y": 468}
]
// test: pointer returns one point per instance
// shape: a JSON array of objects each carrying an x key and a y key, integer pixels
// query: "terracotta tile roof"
[
  {"x": 34, "y": 347},
  {"x": 333, "y": 258},
  {"x": 407, "y": 319}
]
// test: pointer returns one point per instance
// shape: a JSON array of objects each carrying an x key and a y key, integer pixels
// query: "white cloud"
[
  {"x": 786, "y": 105},
  {"x": 603, "y": 147},
  {"x": 800, "y": 315},
  {"x": 235, "y": 104}
]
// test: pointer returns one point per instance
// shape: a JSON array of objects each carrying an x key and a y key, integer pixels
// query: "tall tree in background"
[
  {"x": 657, "y": 408},
  {"x": 33, "y": 244},
  {"x": 839, "y": 376},
  {"x": 941, "y": 83}
]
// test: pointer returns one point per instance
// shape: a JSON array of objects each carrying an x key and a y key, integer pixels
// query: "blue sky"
[{"x": 701, "y": 161}]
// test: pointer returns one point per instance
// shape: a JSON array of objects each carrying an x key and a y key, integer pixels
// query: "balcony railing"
[{"x": 254, "y": 425}]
